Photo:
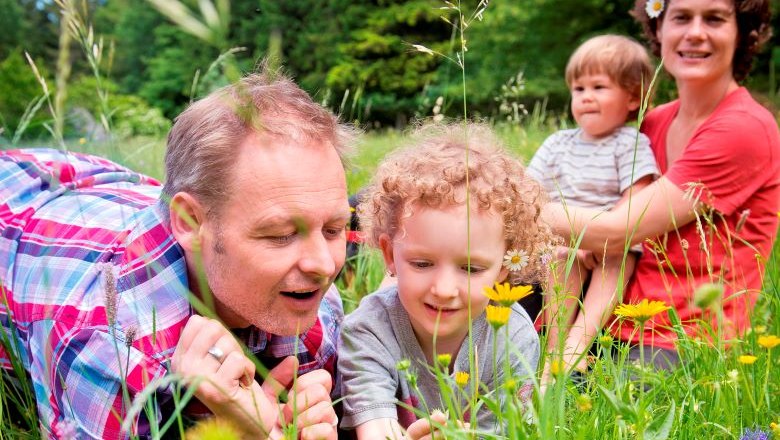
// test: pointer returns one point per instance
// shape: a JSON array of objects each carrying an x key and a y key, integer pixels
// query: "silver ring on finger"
[{"x": 216, "y": 353}]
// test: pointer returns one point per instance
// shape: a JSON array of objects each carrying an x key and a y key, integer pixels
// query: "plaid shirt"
[{"x": 69, "y": 223}]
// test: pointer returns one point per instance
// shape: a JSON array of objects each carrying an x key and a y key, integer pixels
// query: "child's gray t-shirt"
[
  {"x": 592, "y": 174},
  {"x": 378, "y": 334}
]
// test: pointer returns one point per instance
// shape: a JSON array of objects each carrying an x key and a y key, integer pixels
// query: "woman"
[{"x": 712, "y": 216}]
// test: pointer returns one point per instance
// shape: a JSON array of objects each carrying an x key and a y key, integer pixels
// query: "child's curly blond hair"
[{"x": 432, "y": 171}]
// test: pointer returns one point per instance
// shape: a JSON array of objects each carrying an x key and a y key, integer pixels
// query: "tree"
[
  {"x": 13, "y": 25},
  {"x": 378, "y": 58}
]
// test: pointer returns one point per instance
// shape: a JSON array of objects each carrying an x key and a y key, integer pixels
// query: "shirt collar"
[{"x": 258, "y": 341}]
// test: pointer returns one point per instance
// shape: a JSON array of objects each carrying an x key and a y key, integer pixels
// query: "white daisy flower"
[
  {"x": 515, "y": 260},
  {"x": 654, "y": 8}
]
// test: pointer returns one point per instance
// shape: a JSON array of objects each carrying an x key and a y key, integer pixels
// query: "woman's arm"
[
  {"x": 658, "y": 208},
  {"x": 632, "y": 190}
]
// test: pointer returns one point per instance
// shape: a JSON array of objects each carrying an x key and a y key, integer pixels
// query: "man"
[{"x": 100, "y": 268}]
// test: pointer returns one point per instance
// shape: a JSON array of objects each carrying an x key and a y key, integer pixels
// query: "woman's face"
[{"x": 698, "y": 39}]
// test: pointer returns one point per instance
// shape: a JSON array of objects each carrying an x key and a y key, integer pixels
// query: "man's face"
[{"x": 279, "y": 241}]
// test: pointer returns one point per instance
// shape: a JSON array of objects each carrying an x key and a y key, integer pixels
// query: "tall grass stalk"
[{"x": 75, "y": 23}]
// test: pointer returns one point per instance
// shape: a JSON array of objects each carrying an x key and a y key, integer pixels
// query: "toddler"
[
  {"x": 443, "y": 253},
  {"x": 596, "y": 165}
]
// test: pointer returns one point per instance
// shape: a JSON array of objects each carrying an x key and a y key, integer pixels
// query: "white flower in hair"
[
  {"x": 654, "y": 8},
  {"x": 515, "y": 260}
]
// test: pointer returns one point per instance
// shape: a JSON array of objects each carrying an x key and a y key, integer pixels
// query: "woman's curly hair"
[
  {"x": 433, "y": 171},
  {"x": 753, "y": 30}
]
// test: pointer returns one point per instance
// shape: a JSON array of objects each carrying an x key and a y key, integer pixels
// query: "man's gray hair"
[{"x": 203, "y": 143}]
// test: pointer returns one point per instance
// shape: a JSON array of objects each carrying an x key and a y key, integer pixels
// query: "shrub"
[
  {"x": 18, "y": 90},
  {"x": 130, "y": 115}
]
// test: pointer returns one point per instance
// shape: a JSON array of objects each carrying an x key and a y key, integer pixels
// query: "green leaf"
[
  {"x": 627, "y": 412},
  {"x": 661, "y": 427}
]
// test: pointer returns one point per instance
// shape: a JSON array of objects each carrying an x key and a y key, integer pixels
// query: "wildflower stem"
[
  {"x": 766, "y": 378},
  {"x": 495, "y": 369},
  {"x": 641, "y": 362},
  {"x": 749, "y": 386}
]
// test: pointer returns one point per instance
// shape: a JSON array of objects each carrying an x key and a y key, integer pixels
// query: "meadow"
[{"x": 722, "y": 388}]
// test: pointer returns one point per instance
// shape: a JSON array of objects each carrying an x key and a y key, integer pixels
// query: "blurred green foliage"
[
  {"x": 19, "y": 89},
  {"x": 131, "y": 115}
]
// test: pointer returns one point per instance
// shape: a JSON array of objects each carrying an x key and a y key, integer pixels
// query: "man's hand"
[{"x": 227, "y": 386}]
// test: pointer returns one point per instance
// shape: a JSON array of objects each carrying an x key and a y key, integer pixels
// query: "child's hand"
[
  {"x": 422, "y": 430},
  {"x": 587, "y": 259}
]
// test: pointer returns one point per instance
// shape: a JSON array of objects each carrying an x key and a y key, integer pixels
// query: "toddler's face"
[
  {"x": 599, "y": 105},
  {"x": 430, "y": 258}
]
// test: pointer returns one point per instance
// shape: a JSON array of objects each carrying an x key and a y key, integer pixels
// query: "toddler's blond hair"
[
  {"x": 432, "y": 170},
  {"x": 621, "y": 58}
]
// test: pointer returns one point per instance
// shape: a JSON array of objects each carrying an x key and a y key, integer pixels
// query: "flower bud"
[
  {"x": 707, "y": 295},
  {"x": 444, "y": 359}
]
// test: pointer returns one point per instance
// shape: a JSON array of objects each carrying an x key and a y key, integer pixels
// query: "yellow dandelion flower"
[
  {"x": 82, "y": 141},
  {"x": 556, "y": 367},
  {"x": 444, "y": 359},
  {"x": 461, "y": 378},
  {"x": 769, "y": 341},
  {"x": 775, "y": 429},
  {"x": 507, "y": 295},
  {"x": 639, "y": 313},
  {"x": 212, "y": 428},
  {"x": 497, "y": 316},
  {"x": 747, "y": 359}
]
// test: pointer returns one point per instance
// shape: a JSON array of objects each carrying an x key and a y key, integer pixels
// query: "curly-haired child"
[{"x": 452, "y": 214}]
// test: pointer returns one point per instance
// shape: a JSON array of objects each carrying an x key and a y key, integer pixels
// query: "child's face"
[
  {"x": 599, "y": 105},
  {"x": 429, "y": 256}
]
